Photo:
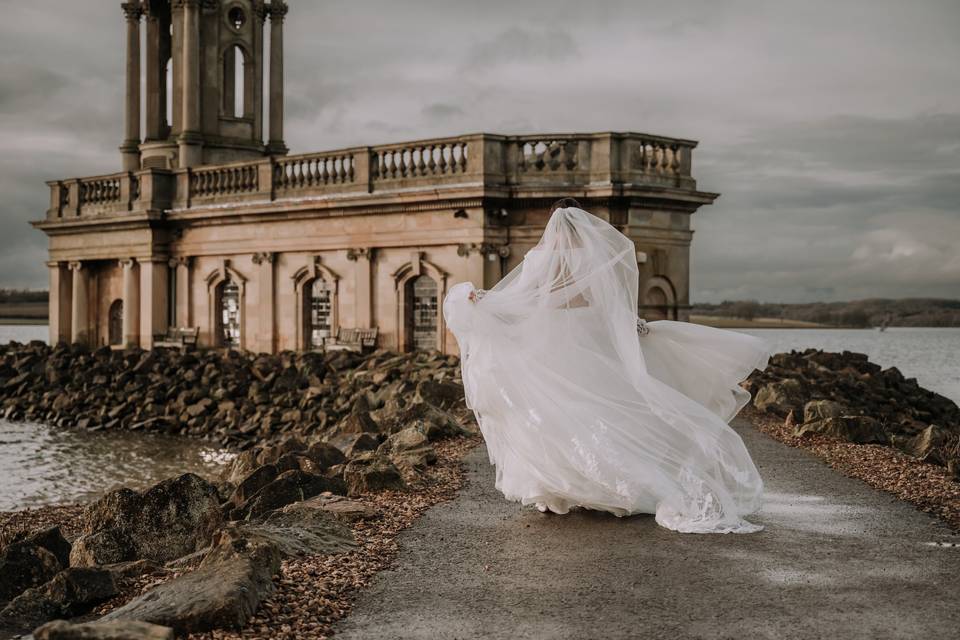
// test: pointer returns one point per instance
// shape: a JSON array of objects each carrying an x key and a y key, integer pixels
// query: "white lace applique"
[{"x": 642, "y": 328}]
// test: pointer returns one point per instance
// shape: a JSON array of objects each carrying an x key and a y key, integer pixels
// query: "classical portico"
[{"x": 211, "y": 226}]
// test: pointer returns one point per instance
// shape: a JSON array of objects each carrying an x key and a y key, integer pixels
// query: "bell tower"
[{"x": 204, "y": 72}]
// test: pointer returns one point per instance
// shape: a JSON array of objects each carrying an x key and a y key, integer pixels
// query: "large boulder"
[
  {"x": 169, "y": 520},
  {"x": 341, "y": 508},
  {"x": 433, "y": 422},
  {"x": 780, "y": 397},
  {"x": 70, "y": 593},
  {"x": 325, "y": 454},
  {"x": 115, "y": 630},
  {"x": 24, "y": 564},
  {"x": 253, "y": 482},
  {"x": 289, "y": 486},
  {"x": 858, "y": 429},
  {"x": 410, "y": 450},
  {"x": 371, "y": 472},
  {"x": 928, "y": 445},
  {"x": 822, "y": 409},
  {"x": 445, "y": 394},
  {"x": 224, "y": 592},
  {"x": 50, "y": 539}
]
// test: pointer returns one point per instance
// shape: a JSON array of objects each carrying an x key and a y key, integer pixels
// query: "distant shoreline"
[
  {"x": 31, "y": 322},
  {"x": 722, "y": 322}
]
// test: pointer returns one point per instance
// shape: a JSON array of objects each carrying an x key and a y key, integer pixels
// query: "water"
[
  {"x": 43, "y": 465},
  {"x": 929, "y": 355},
  {"x": 23, "y": 332}
]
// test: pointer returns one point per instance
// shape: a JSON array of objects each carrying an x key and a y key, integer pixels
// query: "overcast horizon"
[{"x": 832, "y": 130}]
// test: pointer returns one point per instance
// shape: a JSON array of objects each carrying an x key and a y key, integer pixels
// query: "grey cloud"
[{"x": 519, "y": 46}]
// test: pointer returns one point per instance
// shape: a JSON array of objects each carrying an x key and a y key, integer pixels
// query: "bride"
[{"x": 581, "y": 403}]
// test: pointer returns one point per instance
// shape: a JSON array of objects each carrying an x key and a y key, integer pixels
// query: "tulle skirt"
[{"x": 563, "y": 432}]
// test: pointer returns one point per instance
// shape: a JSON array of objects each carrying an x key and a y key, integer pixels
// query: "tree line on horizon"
[{"x": 873, "y": 312}]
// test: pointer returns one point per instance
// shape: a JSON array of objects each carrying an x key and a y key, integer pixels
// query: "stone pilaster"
[
  {"x": 153, "y": 299},
  {"x": 363, "y": 287},
  {"x": 278, "y": 12},
  {"x": 130, "y": 149},
  {"x": 60, "y": 307},
  {"x": 131, "y": 303},
  {"x": 79, "y": 310},
  {"x": 266, "y": 338},
  {"x": 190, "y": 140},
  {"x": 182, "y": 267}
]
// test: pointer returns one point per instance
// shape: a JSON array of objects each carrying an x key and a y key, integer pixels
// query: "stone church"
[{"x": 212, "y": 225}]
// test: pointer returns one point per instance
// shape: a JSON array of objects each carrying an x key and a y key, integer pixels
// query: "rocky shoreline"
[{"x": 846, "y": 397}]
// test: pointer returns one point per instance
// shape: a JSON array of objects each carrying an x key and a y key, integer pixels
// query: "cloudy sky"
[{"x": 832, "y": 129}]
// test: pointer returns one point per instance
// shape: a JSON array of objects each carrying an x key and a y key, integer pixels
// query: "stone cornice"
[{"x": 264, "y": 257}]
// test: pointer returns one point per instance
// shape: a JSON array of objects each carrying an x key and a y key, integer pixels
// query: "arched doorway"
[
  {"x": 318, "y": 313},
  {"x": 115, "y": 323},
  {"x": 421, "y": 313},
  {"x": 228, "y": 313},
  {"x": 656, "y": 304}
]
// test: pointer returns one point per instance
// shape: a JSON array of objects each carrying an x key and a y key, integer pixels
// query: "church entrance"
[
  {"x": 319, "y": 306},
  {"x": 115, "y": 323},
  {"x": 228, "y": 314}
]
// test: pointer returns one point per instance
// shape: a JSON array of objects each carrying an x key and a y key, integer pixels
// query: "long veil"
[{"x": 554, "y": 370}]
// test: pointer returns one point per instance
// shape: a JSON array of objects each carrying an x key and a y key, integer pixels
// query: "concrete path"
[{"x": 837, "y": 560}]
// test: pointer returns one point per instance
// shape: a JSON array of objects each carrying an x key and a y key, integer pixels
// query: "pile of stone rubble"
[{"x": 846, "y": 396}]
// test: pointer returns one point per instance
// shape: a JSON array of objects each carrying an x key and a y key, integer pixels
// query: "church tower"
[{"x": 204, "y": 73}]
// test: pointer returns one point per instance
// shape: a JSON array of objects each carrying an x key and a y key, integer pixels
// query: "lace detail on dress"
[
  {"x": 478, "y": 294},
  {"x": 642, "y": 328}
]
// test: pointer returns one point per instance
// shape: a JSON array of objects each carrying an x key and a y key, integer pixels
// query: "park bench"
[
  {"x": 351, "y": 339},
  {"x": 183, "y": 338}
]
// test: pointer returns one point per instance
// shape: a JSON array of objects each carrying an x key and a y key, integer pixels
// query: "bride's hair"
[{"x": 565, "y": 203}]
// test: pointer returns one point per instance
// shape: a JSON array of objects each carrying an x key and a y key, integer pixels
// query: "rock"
[
  {"x": 70, "y": 593},
  {"x": 410, "y": 450},
  {"x": 858, "y": 429},
  {"x": 115, "y": 630},
  {"x": 241, "y": 467},
  {"x": 358, "y": 422},
  {"x": 371, "y": 472},
  {"x": 258, "y": 478},
  {"x": 780, "y": 397},
  {"x": 224, "y": 592},
  {"x": 928, "y": 445},
  {"x": 820, "y": 409},
  {"x": 352, "y": 444},
  {"x": 133, "y": 569},
  {"x": 50, "y": 539},
  {"x": 23, "y": 565},
  {"x": 289, "y": 486},
  {"x": 445, "y": 394},
  {"x": 343, "y": 509},
  {"x": 169, "y": 520},
  {"x": 325, "y": 454},
  {"x": 299, "y": 530}
]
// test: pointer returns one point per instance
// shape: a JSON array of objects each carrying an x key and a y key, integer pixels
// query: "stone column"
[
  {"x": 190, "y": 140},
  {"x": 182, "y": 266},
  {"x": 130, "y": 149},
  {"x": 266, "y": 326},
  {"x": 79, "y": 313},
  {"x": 131, "y": 303},
  {"x": 153, "y": 299},
  {"x": 363, "y": 289},
  {"x": 278, "y": 11},
  {"x": 61, "y": 308}
]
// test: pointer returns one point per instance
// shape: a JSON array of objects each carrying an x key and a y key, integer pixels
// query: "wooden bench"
[
  {"x": 350, "y": 339},
  {"x": 183, "y": 338}
]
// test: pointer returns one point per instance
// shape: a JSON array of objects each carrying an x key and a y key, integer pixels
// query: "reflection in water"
[{"x": 41, "y": 465}]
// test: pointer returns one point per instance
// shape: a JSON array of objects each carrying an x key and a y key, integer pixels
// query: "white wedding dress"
[{"x": 577, "y": 409}]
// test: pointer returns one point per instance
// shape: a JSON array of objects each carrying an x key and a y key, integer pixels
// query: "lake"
[{"x": 46, "y": 465}]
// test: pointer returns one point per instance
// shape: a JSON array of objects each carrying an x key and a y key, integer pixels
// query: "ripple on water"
[{"x": 44, "y": 465}]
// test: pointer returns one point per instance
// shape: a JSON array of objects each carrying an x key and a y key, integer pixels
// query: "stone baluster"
[
  {"x": 278, "y": 12},
  {"x": 130, "y": 149}
]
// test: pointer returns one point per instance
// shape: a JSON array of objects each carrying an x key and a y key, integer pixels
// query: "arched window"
[
  {"x": 421, "y": 313},
  {"x": 228, "y": 313},
  {"x": 318, "y": 316},
  {"x": 115, "y": 323},
  {"x": 235, "y": 79}
]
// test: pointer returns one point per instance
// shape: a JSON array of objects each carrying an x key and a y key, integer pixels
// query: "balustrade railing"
[
  {"x": 418, "y": 160},
  {"x": 99, "y": 191},
  {"x": 224, "y": 180},
  {"x": 314, "y": 170},
  {"x": 536, "y": 162}
]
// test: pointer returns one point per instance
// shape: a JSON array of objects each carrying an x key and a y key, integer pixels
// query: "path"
[{"x": 838, "y": 560}]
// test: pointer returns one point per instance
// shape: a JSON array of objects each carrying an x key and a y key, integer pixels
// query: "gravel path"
[{"x": 838, "y": 559}]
